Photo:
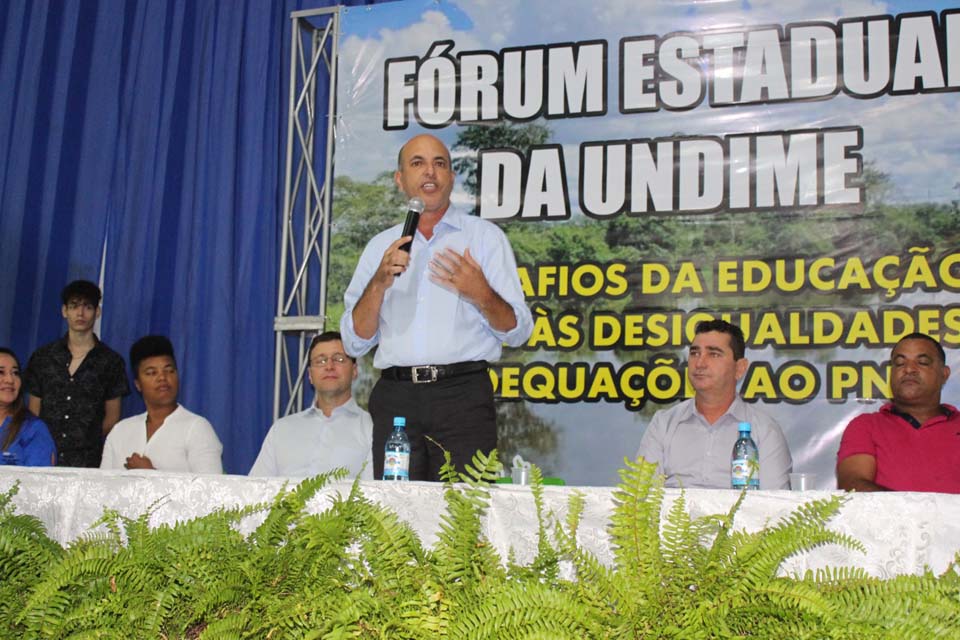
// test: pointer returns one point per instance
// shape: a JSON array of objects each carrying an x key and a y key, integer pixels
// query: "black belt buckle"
[{"x": 422, "y": 374}]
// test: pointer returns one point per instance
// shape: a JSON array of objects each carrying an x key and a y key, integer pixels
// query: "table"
[{"x": 903, "y": 533}]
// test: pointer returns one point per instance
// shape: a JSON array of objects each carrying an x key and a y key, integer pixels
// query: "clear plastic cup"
[
  {"x": 520, "y": 475},
  {"x": 802, "y": 481}
]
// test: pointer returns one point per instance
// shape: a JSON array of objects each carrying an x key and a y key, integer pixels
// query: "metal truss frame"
[{"x": 305, "y": 241}]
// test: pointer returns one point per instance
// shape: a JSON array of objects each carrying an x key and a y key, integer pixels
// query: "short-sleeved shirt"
[
  {"x": 73, "y": 406},
  {"x": 908, "y": 458}
]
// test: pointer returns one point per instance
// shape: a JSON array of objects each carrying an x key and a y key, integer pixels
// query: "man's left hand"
[{"x": 460, "y": 274}]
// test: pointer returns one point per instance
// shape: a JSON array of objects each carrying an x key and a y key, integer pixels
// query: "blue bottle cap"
[
  {"x": 399, "y": 421},
  {"x": 744, "y": 427}
]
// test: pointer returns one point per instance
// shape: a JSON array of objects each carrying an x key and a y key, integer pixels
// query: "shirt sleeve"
[
  {"x": 204, "y": 451},
  {"x": 111, "y": 458},
  {"x": 776, "y": 463},
  {"x": 265, "y": 464},
  {"x": 115, "y": 378},
  {"x": 353, "y": 344},
  {"x": 500, "y": 269},
  {"x": 38, "y": 447},
  {"x": 857, "y": 439},
  {"x": 367, "y": 473},
  {"x": 31, "y": 376},
  {"x": 652, "y": 443}
]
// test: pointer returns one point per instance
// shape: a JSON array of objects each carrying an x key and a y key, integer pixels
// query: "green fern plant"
[{"x": 356, "y": 570}]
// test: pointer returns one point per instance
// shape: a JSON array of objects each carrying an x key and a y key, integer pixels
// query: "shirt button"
[
  {"x": 68, "y": 397},
  {"x": 66, "y": 417}
]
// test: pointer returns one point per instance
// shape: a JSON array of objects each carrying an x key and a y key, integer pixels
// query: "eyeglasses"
[{"x": 321, "y": 361}]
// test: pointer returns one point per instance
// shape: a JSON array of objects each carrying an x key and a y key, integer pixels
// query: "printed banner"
[{"x": 791, "y": 168}]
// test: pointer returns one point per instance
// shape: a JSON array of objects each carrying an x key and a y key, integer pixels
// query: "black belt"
[{"x": 433, "y": 372}]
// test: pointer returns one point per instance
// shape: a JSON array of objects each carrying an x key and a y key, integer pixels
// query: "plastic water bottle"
[
  {"x": 396, "y": 453},
  {"x": 745, "y": 461}
]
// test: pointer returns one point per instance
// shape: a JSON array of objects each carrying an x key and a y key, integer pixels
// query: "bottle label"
[
  {"x": 744, "y": 471},
  {"x": 396, "y": 465}
]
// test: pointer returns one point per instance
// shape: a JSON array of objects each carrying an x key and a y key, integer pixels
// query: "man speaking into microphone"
[{"x": 440, "y": 313}]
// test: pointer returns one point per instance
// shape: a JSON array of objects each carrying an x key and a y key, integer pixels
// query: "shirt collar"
[
  {"x": 64, "y": 342},
  {"x": 736, "y": 410},
  {"x": 947, "y": 410},
  {"x": 452, "y": 218},
  {"x": 348, "y": 408}
]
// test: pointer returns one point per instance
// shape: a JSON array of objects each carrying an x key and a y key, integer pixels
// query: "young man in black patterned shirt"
[{"x": 76, "y": 383}]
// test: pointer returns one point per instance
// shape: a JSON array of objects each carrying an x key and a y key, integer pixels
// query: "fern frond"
[
  {"x": 485, "y": 468},
  {"x": 517, "y": 610},
  {"x": 389, "y": 545},
  {"x": 462, "y": 550},
  {"x": 87, "y": 569},
  {"x": 760, "y": 555},
  {"x": 231, "y": 627},
  {"x": 288, "y": 506},
  {"x": 635, "y": 523},
  {"x": 682, "y": 543},
  {"x": 545, "y": 566}
]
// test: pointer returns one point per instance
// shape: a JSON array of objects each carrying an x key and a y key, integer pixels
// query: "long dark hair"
[{"x": 18, "y": 410}]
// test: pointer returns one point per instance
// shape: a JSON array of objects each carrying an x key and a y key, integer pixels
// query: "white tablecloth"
[{"x": 902, "y": 532}]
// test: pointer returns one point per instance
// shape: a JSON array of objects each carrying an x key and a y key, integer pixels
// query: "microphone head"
[{"x": 415, "y": 204}]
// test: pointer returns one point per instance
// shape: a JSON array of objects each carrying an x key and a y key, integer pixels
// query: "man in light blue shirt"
[
  {"x": 334, "y": 432},
  {"x": 438, "y": 315}
]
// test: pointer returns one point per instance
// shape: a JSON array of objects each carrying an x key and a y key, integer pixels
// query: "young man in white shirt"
[{"x": 167, "y": 437}]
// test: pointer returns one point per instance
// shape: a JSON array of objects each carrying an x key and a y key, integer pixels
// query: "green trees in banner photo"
[
  {"x": 500, "y": 135},
  {"x": 361, "y": 211}
]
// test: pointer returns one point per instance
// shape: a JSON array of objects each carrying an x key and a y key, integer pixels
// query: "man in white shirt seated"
[
  {"x": 167, "y": 437},
  {"x": 334, "y": 432},
  {"x": 692, "y": 441}
]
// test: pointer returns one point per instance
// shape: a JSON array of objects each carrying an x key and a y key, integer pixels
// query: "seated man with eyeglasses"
[{"x": 334, "y": 432}]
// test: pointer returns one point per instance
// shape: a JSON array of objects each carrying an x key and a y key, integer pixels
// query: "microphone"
[{"x": 414, "y": 209}]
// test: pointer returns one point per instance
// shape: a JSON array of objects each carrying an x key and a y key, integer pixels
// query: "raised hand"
[{"x": 460, "y": 274}]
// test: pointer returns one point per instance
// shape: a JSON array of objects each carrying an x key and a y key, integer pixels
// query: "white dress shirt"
[
  {"x": 423, "y": 323},
  {"x": 184, "y": 442},
  {"x": 308, "y": 443}
]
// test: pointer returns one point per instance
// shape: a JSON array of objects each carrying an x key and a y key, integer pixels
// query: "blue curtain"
[{"x": 150, "y": 132}]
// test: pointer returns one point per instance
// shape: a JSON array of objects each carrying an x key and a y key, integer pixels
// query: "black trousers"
[{"x": 456, "y": 412}]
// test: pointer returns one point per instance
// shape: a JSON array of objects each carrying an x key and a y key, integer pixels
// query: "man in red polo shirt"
[{"x": 913, "y": 442}]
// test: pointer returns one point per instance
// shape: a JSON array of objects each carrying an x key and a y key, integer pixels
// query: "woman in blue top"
[{"x": 24, "y": 438}]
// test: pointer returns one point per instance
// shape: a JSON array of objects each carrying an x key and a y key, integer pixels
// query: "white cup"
[
  {"x": 802, "y": 481},
  {"x": 520, "y": 475}
]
